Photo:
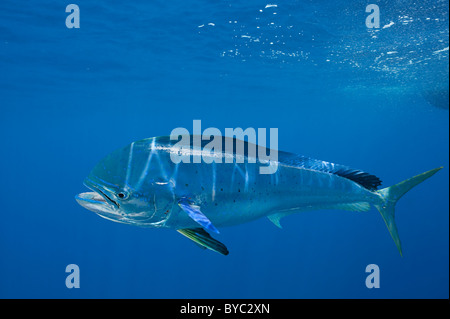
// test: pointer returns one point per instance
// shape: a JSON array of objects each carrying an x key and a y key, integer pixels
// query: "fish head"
[{"x": 118, "y": 195}]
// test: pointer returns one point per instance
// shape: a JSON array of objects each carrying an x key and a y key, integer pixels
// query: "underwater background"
[{"x": 370, "y": 98}]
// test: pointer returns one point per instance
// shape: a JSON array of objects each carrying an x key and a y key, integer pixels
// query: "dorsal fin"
[{"x": 364, "y": 179}]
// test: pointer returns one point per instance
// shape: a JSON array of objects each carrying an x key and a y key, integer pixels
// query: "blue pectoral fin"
[{"x": 194, "y": 212}]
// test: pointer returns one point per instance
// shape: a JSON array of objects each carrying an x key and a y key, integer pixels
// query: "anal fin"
[
  {"x": 203, "y": 239},
  {"x": 353, "y": 207},
  {"x": 275, "y": 219}
]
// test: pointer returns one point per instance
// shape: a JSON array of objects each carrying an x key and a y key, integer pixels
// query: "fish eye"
[{"x": 122, "y": 195}]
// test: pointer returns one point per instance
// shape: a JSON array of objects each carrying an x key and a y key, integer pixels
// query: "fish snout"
[{"x": 94, "y": 202}]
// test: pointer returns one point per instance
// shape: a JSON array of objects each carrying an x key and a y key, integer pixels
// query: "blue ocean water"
[{"x": 374, "y": 99}]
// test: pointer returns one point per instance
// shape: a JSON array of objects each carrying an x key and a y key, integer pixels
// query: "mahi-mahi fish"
[{"x": 140, "y": 185}]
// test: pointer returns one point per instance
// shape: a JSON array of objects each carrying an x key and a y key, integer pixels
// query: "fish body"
[
  {"x": 232, "y": 194},
  {"x": 142, "y": 185}
]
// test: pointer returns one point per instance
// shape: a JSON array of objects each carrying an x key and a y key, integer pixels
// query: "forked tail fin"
[{"x": 391, "y": 195}]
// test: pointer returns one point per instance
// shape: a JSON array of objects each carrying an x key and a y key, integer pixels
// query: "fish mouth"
[
  {"x": 97, "y": 189},
  {"x": 107, "y": 198},
  {"x": 98, "y": 201},
  {"x": 94, "y": 202},
  {"x": 91, "y": 197}
]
